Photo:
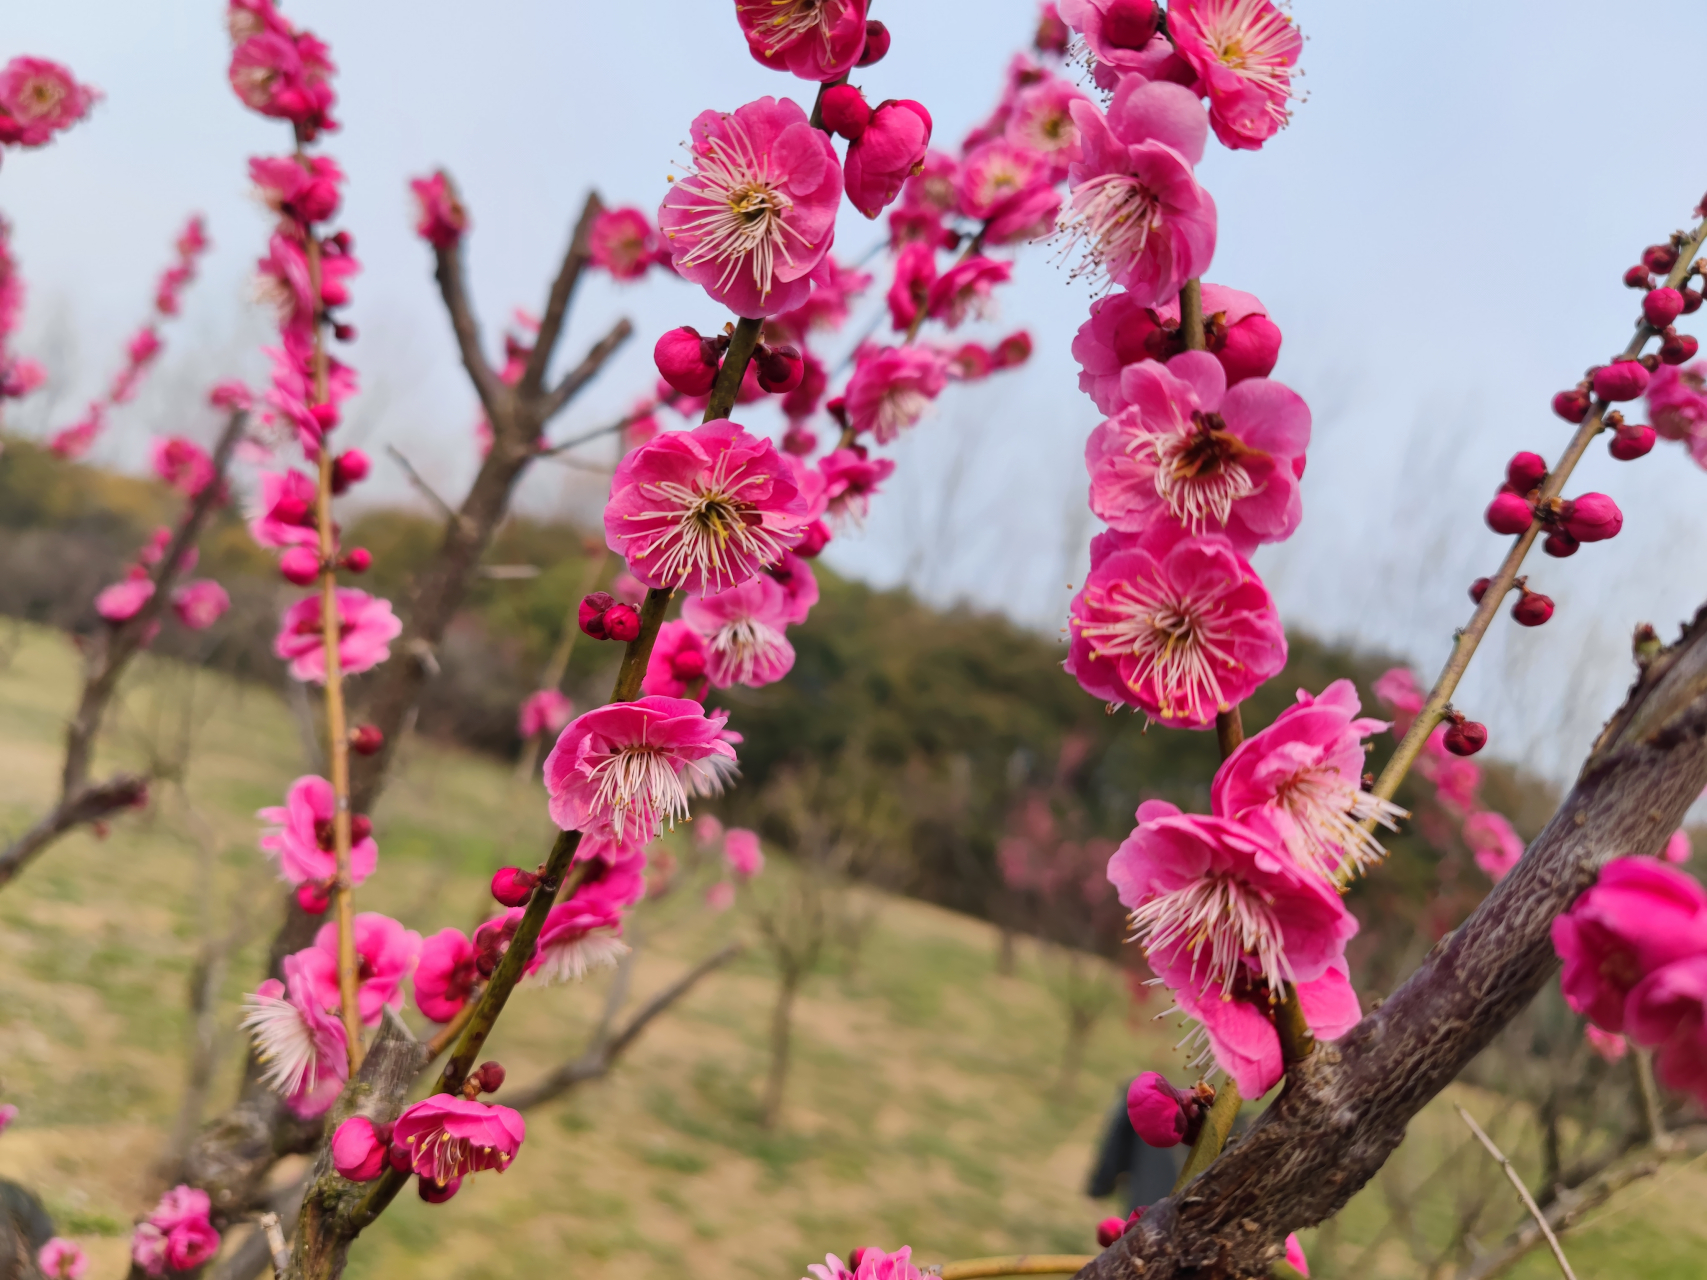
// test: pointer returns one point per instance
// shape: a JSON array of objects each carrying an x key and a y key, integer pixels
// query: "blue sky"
[{"x": 1440, "y": 235}]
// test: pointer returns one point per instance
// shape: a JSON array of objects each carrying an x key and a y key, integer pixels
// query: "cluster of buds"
[
  {"x": 300, "y": 566},
  {"x": 603, "y": 617},
  {"x": 1532, "y": 608},
  {"x": 1661, "y": 304},
  {"x": 1592, "y": 517},
  {"x": 689, "y": 362}
]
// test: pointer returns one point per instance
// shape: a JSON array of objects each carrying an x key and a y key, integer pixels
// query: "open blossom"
[
  {"x": 367, "y": 628},
  {"x": 1125, "y": 42},
  {"x": 964, "y": 289},
  {"x": 38, "y": 99},
  {"x": 743, "y": 628},
  {"x": 302, "y": 190},
  {"x": 742, "y": 852},
  {"x": 440, "y": 218},
  {"x": 1137, "y": 210},
  {"x": 182, "y": 463},
  {"x": 883, "y": 157},
  {"x": 1668, "y": 1011},
  {"x": 445, "y": 975},
  {"x": 284, "y": 512},
  {"x": 704, "y": 509},
  {"x": 677, "y": 662},
  {"x": 300, "y": 836},
  {"x": 910, "y": 290},
  {"x": 1042, "y": 120},
  {"x": 799, "y": 585},
  {"x": 1010, "y": 189},
  {"x": 623, "y": 242},
  {"x": 1190, "y": 450},
  {"x": 816, "y": 40},
  {"x": 892, "y": 387},
  {"x": 61, "y": 1259},
  {"x": 300, "y": 1045},
  {"x": 1180, "y": 627},
  {"x": 545, "y": 711},
  {"x": 1244, "y": 51},
  {"x": 578, "y": 937},
  {"x": 124, "y": 600},
  {"x": 447, "y": 1138},
  {"x": 617, "y": 770},
  {"x": 759, "y": 211},
  {"x": 385, "y": 955},
  {"x": 1494, "y": 843},
  {"x": 286, "y": 75},
  {"x": 1236, "y": 330},
  {"x": 851, "y": 479},
  {"x": 200, "y": 604},
  {"x": 1677, "y": 406},
  {"x": 1305, "y": 772}
]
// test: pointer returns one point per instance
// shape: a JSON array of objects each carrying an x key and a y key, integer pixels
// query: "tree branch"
[
  {"x": 494, "y": 395},
  {"x": 1522, "y": 1193},
  {"x": 583, "y": 373},
  {"x": 557, "y": 304}
]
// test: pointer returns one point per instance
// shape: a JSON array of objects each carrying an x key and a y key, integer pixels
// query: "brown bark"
[{"x": 1345, "y": 1108}]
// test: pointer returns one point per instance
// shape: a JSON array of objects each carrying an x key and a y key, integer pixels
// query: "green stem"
[
  {"x": 639, "y": 651},
  {"x": 1217, "y": 1127}
]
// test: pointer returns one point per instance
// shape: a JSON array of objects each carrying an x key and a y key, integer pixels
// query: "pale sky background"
[{"x": 1440, "y": 235}]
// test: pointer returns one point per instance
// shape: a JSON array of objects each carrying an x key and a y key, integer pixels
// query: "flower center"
[
  {"x": 796, "y": 18},
  {"x": 739, "y": 211},
  {"x": 640, "y": 787},
  {"x": 1219, "y": 921},
  {"x": 1329, "y": 812},
  {"x": 1200, "y": 474},
  {"x": 1254, "y": 38},
  {"x": 1113, "y": 215},
  {"x": 1175, "y": 646},
  {"x": 745, "y": 644}
]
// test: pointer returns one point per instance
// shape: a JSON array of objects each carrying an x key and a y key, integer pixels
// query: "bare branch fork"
[
  {"x": 1345, "y": 1107},
  {"x": 108, "y": 655},
  {"x": 1522, "y": 1193}
]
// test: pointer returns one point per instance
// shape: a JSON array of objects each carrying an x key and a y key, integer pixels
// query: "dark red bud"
[
  {"x": 433, "y": 1193},
  {"x": 1572, "y": 405},
  {"x": 1466, "y": 738},
  {"x": 1632, "y": 441},
  {"x": 844, "y": 111},
  {"x": 491, "y": 1077},
  {"x": 1659, "y": 258},
  {"x": 1109, "y": 1230},
  {"x": 876, "y": 42},
  {"x": 366, "y": 739},
  {"x": 1662, "y": 306},
  {"x": 1525, "y": 471},
  {"x": 512, "y": 886},
  {"x": 1680, "y": 348},
  {"x": 1130, "y": 24},
  {"x": 1691, "y": 301},
  {"x": 344, "y": 332},
  {"x": 1560, "y": 544},
  {"x": 1479, "y": 588},
  {"x": 1637, "y": 277},
  {"x": 1509, "y": 513},
  {"x": 361, "y": 827},
  {"x": 780, "y": 369},
  {"x": 1532, "y": 609},
  {"x": 1013, "y": 350},
  {"x": 314, "y": 898},
  {"x": 357, "y": 560},
  {"x": 592, "y": 614},
  {"x": 621, "y": 622}
]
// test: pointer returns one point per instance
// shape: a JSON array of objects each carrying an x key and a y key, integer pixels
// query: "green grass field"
[{"x": 922, "y": 1107}]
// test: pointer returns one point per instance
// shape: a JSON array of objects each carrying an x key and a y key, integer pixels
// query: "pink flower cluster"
[
  {"x": 38, "y": 99},
  {"x": 176, "y": 1236},
  {"x": 442, "y": 1139},
  {"x": 19, "y": 375},
  {"x": 198, "y": 604},
  {"x": 1677, "y": 406},
  {"x": 279, "y": 71}
]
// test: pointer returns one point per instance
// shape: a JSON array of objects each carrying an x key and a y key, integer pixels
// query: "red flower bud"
[
  {"x": 357, "y": 560},
  {"x": 1525, "y": 471},
  {"x": 1129, "y": 24},
  {"x": 366, "y": 739},
  {"x": 1637, "y": 277},
  {"x": 1680, "y": 348},
  {"x": 1659, "y": 258},
  {"x": 1662, "y": 306},
  {"x": 491, "y": 1077},
  {"x": 1109, "y": 1230},
  {"x": 681, "y": 361},
  {"x": 326, "y": 415},
  {"x": 313, "y": 898},
  {"x": 592, "y": 614},
  {"x": 816, "y": 538},
  {"x": 1249, "y": 349},
  {"x": 299, "y": 565},
  {"x": 1620, "y": 380},
  {"x": 687, "y": 665},
  {"x": 512, "y": 886},
  {"x": 621, "y": 622},
  {"x": 1015, "y": 349},
  {"x": 1479, "y": 588},
  {"x": 1508, "y": 513},
  {"x": 361, "y": 827},
  {"x": 1593, "y": 517},
  {"x": 1633, "y": 440},
  {"x": 1160, "y": 1114},
  {"x": 1532, "y": 609},
  {"x": 348, "y": 468},
  {"x": 1466, "y": 738},
  {"x": 1691, "y": 301},
  {"x": 844, "y": 111},
  {"x": 1572, "y": 405},
  {"x": 876, "y": 43},
  {"x": 1560, "y": 544},
  {"x": 780, "y": 368}
]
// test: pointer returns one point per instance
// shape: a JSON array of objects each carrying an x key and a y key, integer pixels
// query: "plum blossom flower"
[
  {"x": 617, "y": 770},
  {"x": 1305, "y": 773},
  {"x": 885, "y": 155},
  {"x": 38, "y": 99},
  {"x": 910, "y": 290},
  {"x": 1010, "y": 190},
  {"x": 302, "y": 190},
  {"x": 1398, "y": 691},
  {"x": 8, "y": 1113},
  {"x": 200, "y": 604},
  {"x": 1123, "y": 41},
  {"x": 1042, "y": 120},
  {"x": 1242, "y": 1037},
  {"x": 284, "y": 511},
  {"x": 624, "y": 242},
  {"x": 1668, "y": 1011},
  {"x": 799, "y": 585},
  {"x": 1137, "y": 209},
  {"x": 677, "y": 662},
  {"x": 446, "y": 1138},
  {"x": 851, "y": 479},
  {"x": 301, "y": 1046},
  {"x": 366, "y": 629},
  {"x": 1493, "y": 842},
  {"x": 446, "y": 974},
  {"x": 1608, "y": 1045},
  {"x": 74, "y": 441},
  {"x": 816, "y": 40},
  {"x": 440, "y": 218},
  {"x": 868, "y": 1264},
  {"x": 704, "y": 509},
  {"x": 758, "y": 212},
  {"x": 285, "y": 75},
  {"x": 1181, "y": 627},
  {"x": 385, "y": 955},
  {"x": 964, "y": 289},
  {"x": 892, "y": 387},
  {"x": 360, "y": 1150},
  {"x": 579, "y": 937},
  {"x": 545, "y": 711},
  {"x": 742, "y": 852},
  {"x": 300, "y": 836},
  {"x": 124, "y": 600},
  {"x": 743, "y": 628},
  {"x": 61, "y": 1259},
  {"x": 1244, "y": 51},
  {"x": 182, "y": 463}
]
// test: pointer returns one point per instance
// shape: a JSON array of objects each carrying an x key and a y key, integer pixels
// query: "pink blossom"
[
  {"x": 446, "y": 974},
  {"x": 301, "y": 1046},
  {"x": 703, "y": 509},
  {"x": 38, "y": 99},
  {"x": 892, "y": 387},
  {"x": 826, "y": 307},
  {"x": 300, "y": 836},
  {"x": 743, "y": 628},
  {"x": 9, "y": 1113},
  {"x": 1677, "y": 400},
  {"x": 60, "y": 1259},
  {"x": 183, "y": 464},
  {"x": 1607, "y": 1044},
  {"x": 231, "y": 394},
  {"x": 1495, "y": 844},
  {"x": 440, "y": 218},
  {"x": 148, "y": 1249},
  {"x": 579, "y": 937},
  {"x": 623, "y": 242},
  {"x": 124, "y": 600},
  {"x": 1010, "y": 190},
  {"x": 302, "y": 190},
  {"x": 964, "y": 289},
  {"x": 1398, "y": 691},
  {"x": 1137, "y": 208},
  {"x": 616, "y": 876},
  {"x": 1124, "y": 49},
  {"x": 1042, "y": 121},
  {"x": 1677, "y": 848},
  {"x": 545, "y": 711},
  {"x": 707, "y": 830},
  {"x": 182, "y": 1215},
  {"x": 816, "y": 40},
  {"x": 885, "y": 155},
  {"x": 799, "y": 584},
  {"x": 1305, "y": 773},
  {"x": 1181, "y": 627},
  {"x": 720, "y": 896},
  {"x": 447, "y": 1138},
  {"x": 1668, "y": 1011},
  {"x": 1295, "y": 1255},
  {"x": 284, "y": 513},
  {"x": 366, "y": 629},
  {"x": 74, "y": 441},
  {"x": 1188, "y": 449},
  {"x": 285, "y": 76},
  {"x": 1244, "y": 51},
  {"x": 18, "y": 378},
  {"x": 742, "y": 852},
  {"x": 1242, "y": 1036},
  {"x": 758, "y": 212},
  {"x": 200, "y": 604},
  {"x": 677, "y": 662},
  {"x": 618, "y": 769},
  {"x": 910, "y": 290},
  {"x": 385, "y": 955},
  {"x": 850, "y": 480},
  {"x": 1640, "y": 916}
]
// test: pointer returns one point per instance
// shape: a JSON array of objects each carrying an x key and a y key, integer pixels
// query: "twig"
[
  {"x": 1523, "y": 1194},
  {"x": 1650, "y": 1094},
  {"x": 494, "y": 395},
  {"x": 1014, "y": 1264},
  {"x": 421, "y": 486},
  {"x": 276, "y": 1243},
  {"x": 557, "y": 302},
  {"x": 583, "y": 373}
]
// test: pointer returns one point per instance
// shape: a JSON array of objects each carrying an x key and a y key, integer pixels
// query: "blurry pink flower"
[
  {"x": 707, "y": 830},
  {"x": 440, "y": 218},
  {"x": 1668, "y": 1012},
  {"x": 545, "y": 711},
  {"x": 826, "y": 307},
  {"x": 367, "y": 628},
  {"x": 703, "y": 509},
  {"x": 447, "y": 1137},
  {"x": 799, "y": 584},
  {"x": 148, "y": 1249},
  {"x": 910, "y": 291},
  {"x": 970, "y": 362},
  {"x": 1397, "y": 690},
  {"x": 579, "y": 937},
  {"x": 677, "y": 662},
  {"x": 1456, "y": 780},
  {"x": 74, "y": 441},
  {"x": 624, "y": 242},
  {"x": 964, "y": 289},
  {"x": 124, "y": 600},
  {"x": 1607, "y": 1044},
  {"x": 200, "y": 604},
  {"x": 39, "y": 98},
  {"x": 1245, "y": 51},
  {"x": 1305, "y": 773},
  {"x": 1677, "y": 849},
  {"x": 758, "y": 213},
  {"x": 875, "y": 1264},
  {"x": 1677, "y": 400},
  {"x": 285, "y": 77},
  {"x": 883, "y": 157},
  {"x": 743, "y": 628},
  {"x": 1640, "y": 916},
  {"x": 1295, "y": 1256},
  {"x": 851, "y": 478},
  {"x": 816, "y": 40},
  {"x": 284, "y": 512},
  {"x": 1160, "y": 1114},
  {"x": 60, "y": 1259},
  {"x": 1188, "y": 449},
  {"x": 385, "y": 955},
  {"x": 303, "y": 190},
  {"x": 1181, "y": 627},
  {"x": 892, "y": 387},
  {"x": 1143, "y": 220},
  {"x": 1009, "y": 189},
  {"x": 446, "y": 975},
  {"x": 1042, "y": 121},
  {"x": 617, "y": 770},
  {"x": 720, "y": 896},
  {"x": 191, "y": 1244},
  {"x": 1123, "y": 40},
  {"x": 301, "y": 1046},
  {"x": 9, "y": 1113},
  {"x": 21, "y": 376},
  {"x": 1496, "y": 845},
  {"x": 182, "y": 463},
  {"x": 742, "y": 852},
  {"x": 616, "y": 877},
  {"x": 300, "y": 836}
]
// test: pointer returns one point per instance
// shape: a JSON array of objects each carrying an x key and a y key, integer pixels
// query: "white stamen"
[
  {"x": 1114, "y": 214},
  {"x": 640, "y": 787},
  {"x": 1180, "y": 647},
  {"x": 285, "y": 1042},
  {"x": 573, "y": 961},
  {"x": 744, "y": 644},
  {"x": 1330, "y": 812},
  {"x": 1219, "y": 921},
  {"x": 702, "y": 523},
  {"x": 1198, "y": 497},
  {"x": 738, "y": 211}
]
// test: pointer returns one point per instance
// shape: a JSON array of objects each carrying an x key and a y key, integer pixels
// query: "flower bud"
[
  {"x": 1130, "y": 24},
  {"x": 799, "y": 440},
  {"x": 1560, "y": 544},
  {"x": 844, "y": 111},
  {"x": 1593, "y": 517},
  {"x": 1680, "y": 348},
  {"x": 621, "y": 622},
  {"x": 433, "y": 1193},
  {"x": 1160, "y": 1114},
  {"x": 1637, "y": 277},
  {"x": 344, "y": 332},
  {"x": 1650, "y": 362},
  {"x": 299, "y": 565},
  {"x": 681, "y": 360},
  {"x": 876, "y": 43},
  {"x": 366, "y": 740},
  {"x": 348, "y": 468},
  {"x": 687, "y": 665},
  {"x": 1659, "y": 258},
  {"x": 1479, "y": 588},
  {"x": 361, "y": 827},
  {"x": 592, "y": 614},
  {"x": 360, "y": 1149},
  {"x": 1466, "y": 737},
  {"x": 512, "y": 886},
  {"x": 1633, "y": 440},
  {"x": 1532, "y": 609},
  {"x": 357, "y": 560},
  {"x": 816, "y": 538},
  {"x": 1620, "y": 380},
  {"x": 1250, "y": 349},
  {"x": 313, "y": 898},
  {"x": 1109, "y": 1230},
  {"x": 1053, "y": 35},
  {"x": 1525, "y": 471},
  {"x": 780, "y": 368},
  {"x": 1015, "y": 349},
  {"x": 1691, "y": 301},
  {"x": 1572, "y": 405},
  {"x": 1662, "y": 306},
  {"x": 491, "y": 1077},
  {"x": 1509, "y": 513}
]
